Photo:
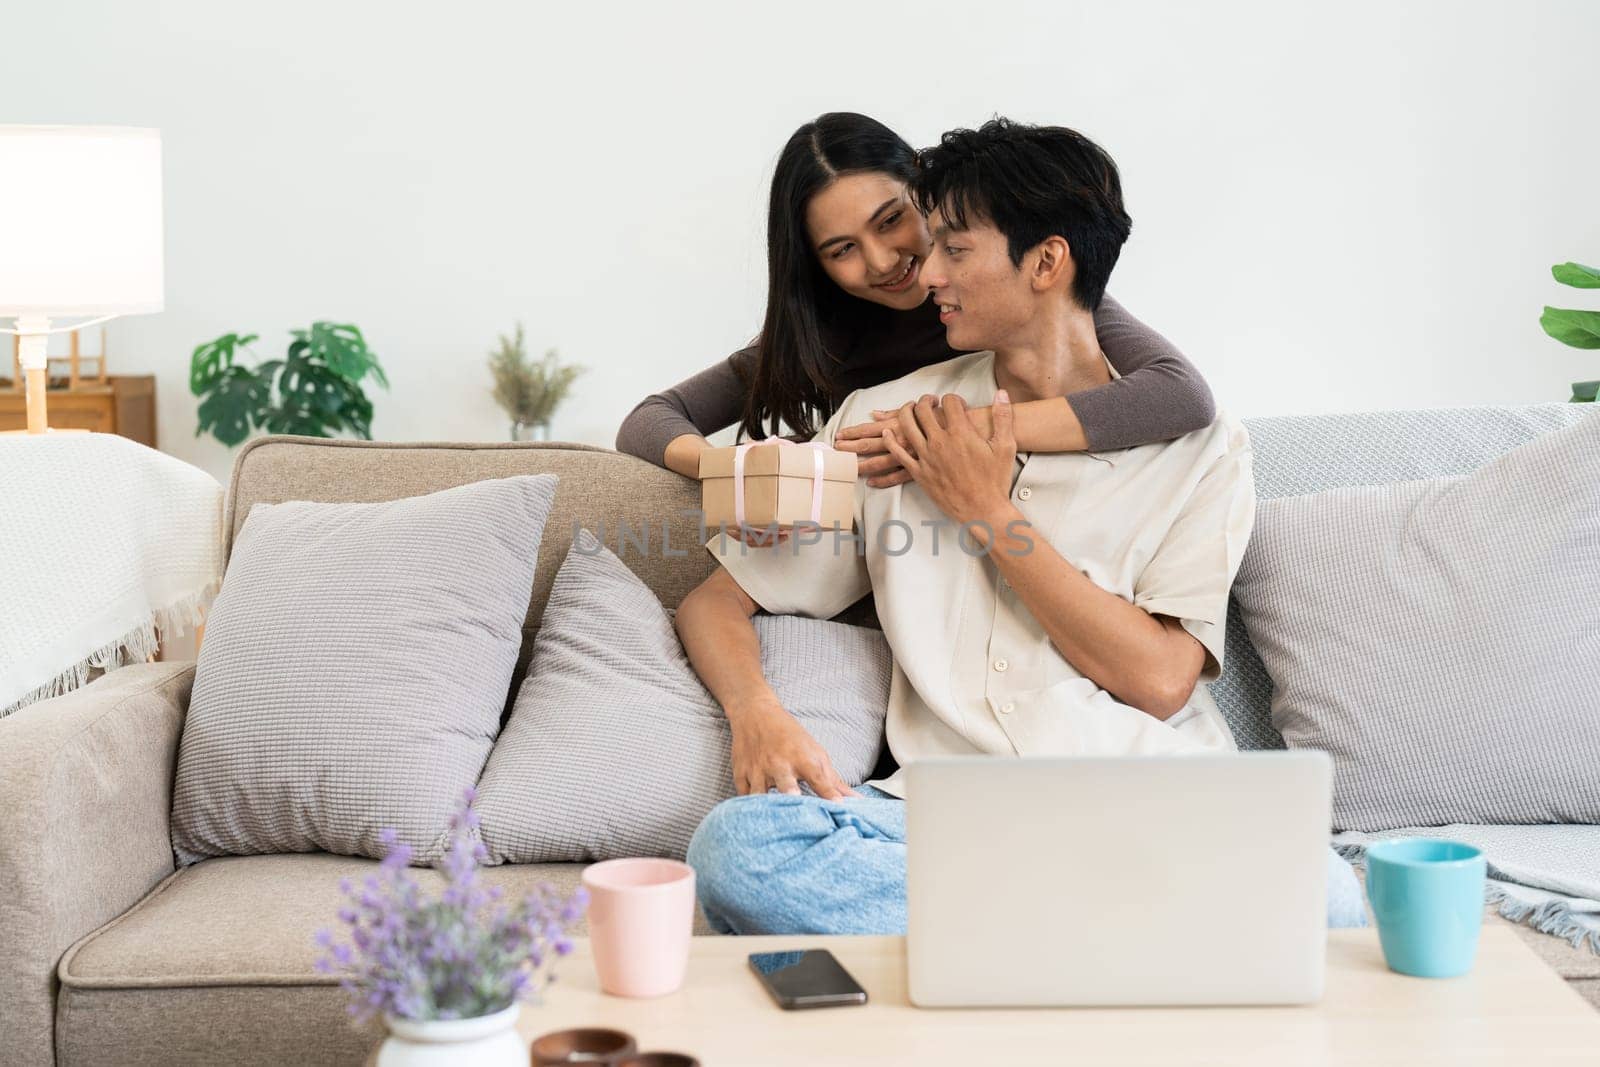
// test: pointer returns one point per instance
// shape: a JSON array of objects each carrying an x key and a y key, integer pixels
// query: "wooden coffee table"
[{"x": 1510, "y": 1009}]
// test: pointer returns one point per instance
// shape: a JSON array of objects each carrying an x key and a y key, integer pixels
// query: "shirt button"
[
  {"x": 1024, "y": 493},
  {"x": 1007, "y": 708},
  {"x": 1000, "y": 665}
]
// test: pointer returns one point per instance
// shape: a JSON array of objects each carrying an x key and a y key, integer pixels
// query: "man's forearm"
[
  {"x": 714, "y": 624},
  {"x": 1149, "y": 663}
]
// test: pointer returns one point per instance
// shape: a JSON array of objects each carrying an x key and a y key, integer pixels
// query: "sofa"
[{"x": 115, "y": 955}]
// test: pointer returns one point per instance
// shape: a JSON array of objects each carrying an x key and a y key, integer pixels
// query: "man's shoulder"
[
  {"x": 1225, "y": 436},
  {"x": 958, "y": 375},
  {"x": 1219, "y": 453},
  {"x": 1220, "y": 450},
  {"x": 1227, "y": 433}
]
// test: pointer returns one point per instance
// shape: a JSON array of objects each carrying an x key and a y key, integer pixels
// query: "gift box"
[{"x": 778, "y": 482}]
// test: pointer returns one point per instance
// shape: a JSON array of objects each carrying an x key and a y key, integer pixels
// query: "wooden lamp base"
[{"x": 32, "y": 351}]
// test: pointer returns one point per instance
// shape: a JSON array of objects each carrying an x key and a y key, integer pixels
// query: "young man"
[{"x": 1083, "y": 602}]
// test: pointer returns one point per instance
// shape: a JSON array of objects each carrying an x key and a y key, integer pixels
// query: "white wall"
[{"x": 1336, "y": 206}]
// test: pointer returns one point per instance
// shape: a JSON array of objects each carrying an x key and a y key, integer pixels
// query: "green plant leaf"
[
  {"x": 342, "y": 349},
  {"x": 211, "y": 359},
  {"x": 1585, "y": 392},
  {"x": 356, "y": 411},
  {"x": 235, "y": 397},
  {"x": 1576, "y": 275},
  {"x": 1580, "y": 329},
  {"x": 315, "y": 401}
]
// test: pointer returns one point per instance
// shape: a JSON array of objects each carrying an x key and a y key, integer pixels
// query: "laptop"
[{"x": 1175, "y": 880}]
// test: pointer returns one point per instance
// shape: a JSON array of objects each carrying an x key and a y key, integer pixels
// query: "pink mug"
[{"x": 641, "y": 913}]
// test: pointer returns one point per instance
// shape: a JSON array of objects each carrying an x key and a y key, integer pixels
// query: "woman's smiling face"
[{"x": 870, "y": 238}]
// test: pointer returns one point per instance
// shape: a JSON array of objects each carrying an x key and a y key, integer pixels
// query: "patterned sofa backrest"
[{"x": 1295, "y": 455}]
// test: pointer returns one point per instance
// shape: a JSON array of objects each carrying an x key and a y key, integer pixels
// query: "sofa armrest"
[{"x": 85, "y": 795}]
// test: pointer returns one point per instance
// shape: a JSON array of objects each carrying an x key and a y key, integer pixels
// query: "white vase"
[
  {"x": 530, "y": 431},
  {"x": 487, "y": 1041}
]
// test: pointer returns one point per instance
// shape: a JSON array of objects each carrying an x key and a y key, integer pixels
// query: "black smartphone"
[{"x": 808, "y": 979}]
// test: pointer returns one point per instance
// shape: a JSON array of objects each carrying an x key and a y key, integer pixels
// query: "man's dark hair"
[{"x": 1031, "y": 182}]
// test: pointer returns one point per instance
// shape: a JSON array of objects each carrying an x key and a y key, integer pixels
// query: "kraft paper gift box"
[{"x": 783, "y": 484}]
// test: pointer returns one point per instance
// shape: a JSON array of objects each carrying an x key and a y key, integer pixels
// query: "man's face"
[{"x": 985, "y": 301}]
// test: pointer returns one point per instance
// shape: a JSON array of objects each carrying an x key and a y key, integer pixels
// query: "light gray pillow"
[
  {"x": 615, "y": 749},
  {"x": 354, "y": 670},
  {"x": 1437, "y": 638}
]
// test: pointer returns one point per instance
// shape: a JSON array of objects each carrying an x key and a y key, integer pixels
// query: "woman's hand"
[
  {"x": 771, "y": 749},
  {"x": 759, "y": 536},
  {"x": 873, "y": 461}
]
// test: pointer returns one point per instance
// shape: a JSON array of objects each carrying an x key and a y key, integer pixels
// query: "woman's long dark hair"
[{"x": 793, "y": 381}]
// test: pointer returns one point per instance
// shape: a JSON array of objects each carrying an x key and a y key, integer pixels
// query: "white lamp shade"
[{"x": 80, "y": 221}]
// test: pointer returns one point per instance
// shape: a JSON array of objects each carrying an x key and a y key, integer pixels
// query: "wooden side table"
[{"x": 125, "y": 405}]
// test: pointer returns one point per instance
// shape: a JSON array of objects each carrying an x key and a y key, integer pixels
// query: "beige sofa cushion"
[
  {"x": 217, "y": 965},
  {"x": 615, "y": 748},
  {"x": 354, "y": 671}
]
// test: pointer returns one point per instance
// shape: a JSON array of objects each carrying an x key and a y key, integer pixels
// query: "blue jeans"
[{"x": 778, "y": 864}]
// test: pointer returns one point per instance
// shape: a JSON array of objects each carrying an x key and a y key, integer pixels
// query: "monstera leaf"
[
  {"x": 312, "y": 398},
  {"x": 315, "y": 390},
  {"x": 233, "y": 398},
  {"x": 341, "y": 348},
  {"x": 213, "y": 358}
]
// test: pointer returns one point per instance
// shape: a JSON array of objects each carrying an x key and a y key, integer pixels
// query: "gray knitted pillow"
[
  {"x": 1433, "y": 636},
  {"x": 354, "y": 669},
  {"x": 615, "y": 749}
]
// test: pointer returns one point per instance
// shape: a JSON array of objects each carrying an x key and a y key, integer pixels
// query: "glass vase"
[{"x": 530, "y": 431}]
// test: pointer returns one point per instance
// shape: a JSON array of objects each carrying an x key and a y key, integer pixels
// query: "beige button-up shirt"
[{"x": 1163, "y": 526}]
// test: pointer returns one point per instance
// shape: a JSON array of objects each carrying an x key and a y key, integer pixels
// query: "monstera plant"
[
  {"x": 315, "y": 390},
  {"x": 1573, "y": 326}
]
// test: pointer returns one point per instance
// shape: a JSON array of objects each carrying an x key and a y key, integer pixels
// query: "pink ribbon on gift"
[{"x": 816, "y": 475}]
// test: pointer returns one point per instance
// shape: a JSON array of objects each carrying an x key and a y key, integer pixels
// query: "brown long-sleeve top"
[{"x": 1160, "y": 396}]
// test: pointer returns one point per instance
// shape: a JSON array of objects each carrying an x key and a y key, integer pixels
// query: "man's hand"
[
  {"x": 967, "y": 474},
  {"x": 771, "y": 749},
  {"x": 873, "y": 461}
]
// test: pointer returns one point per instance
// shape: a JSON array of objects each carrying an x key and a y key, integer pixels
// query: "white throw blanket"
[
  {"x": 1546, "y": 875},
  {"x": 104, "y": 546}
]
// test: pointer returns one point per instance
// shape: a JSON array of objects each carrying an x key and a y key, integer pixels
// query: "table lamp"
[{"x": 80, "y": 235}]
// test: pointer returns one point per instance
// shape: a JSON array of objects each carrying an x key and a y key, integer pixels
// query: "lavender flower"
[{"x": 466, "y": 953}]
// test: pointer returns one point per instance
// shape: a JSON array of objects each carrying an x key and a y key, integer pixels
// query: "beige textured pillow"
[
  {"x": 1432, "y": 637},
  {"x": 615, "y": 748},
  {"x": 354, "y": 670}
]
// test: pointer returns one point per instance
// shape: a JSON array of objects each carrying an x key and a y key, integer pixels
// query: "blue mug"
[{"x": 1427, "y": 896}]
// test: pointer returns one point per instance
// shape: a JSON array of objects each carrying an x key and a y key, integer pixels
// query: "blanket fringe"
[
  {"x": 135, "y": 646},
  {"x": 1553, "y": 917}
]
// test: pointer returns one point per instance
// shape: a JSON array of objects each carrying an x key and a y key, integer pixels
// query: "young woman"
[{"x": 846, "y": 310}]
